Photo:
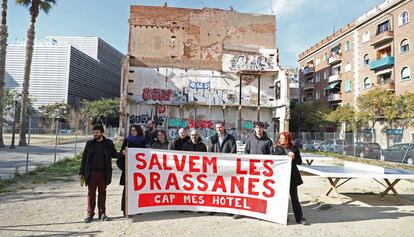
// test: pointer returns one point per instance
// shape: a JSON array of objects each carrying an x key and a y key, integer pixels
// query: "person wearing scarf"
[{"x": 135, "y": 139}]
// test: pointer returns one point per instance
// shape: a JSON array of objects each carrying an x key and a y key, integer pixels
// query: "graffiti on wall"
[
  {"x": 157, "y": 94},
  {"x": 201, "y": 124},
  {"x": 249, "y": 125},
  {"x": 142, "y": 119},
  {"x": 177, "y": 122},
  {"x": 254, "y": 63}
]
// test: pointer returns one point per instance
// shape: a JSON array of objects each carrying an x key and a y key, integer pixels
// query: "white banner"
[{"x": 249, "y": 185}]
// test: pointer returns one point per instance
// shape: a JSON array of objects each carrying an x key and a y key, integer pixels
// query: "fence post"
[
  {"x": 28, "y": 145},
  {"x": 56, "y": 139}
]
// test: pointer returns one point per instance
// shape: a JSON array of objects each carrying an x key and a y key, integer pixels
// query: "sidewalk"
[{"x": 14, "y": 160}]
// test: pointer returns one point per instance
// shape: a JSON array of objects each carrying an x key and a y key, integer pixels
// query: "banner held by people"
[{"x": 248, "y": 185}]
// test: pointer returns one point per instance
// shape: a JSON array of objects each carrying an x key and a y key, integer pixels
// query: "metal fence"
[
  {"x": 44, "y": 146},
  {"x": 389, "y": 147}
]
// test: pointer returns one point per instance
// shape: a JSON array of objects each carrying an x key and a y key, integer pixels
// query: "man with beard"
[{"x": 96, "y": 171}]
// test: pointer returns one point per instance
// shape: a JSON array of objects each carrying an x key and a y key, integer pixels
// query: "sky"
[{"x": 300, "y": 23}]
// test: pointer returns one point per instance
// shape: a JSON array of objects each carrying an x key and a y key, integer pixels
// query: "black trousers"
[
  {"x": 297, "y": 210},
  {"x": 123, "y": 201}
]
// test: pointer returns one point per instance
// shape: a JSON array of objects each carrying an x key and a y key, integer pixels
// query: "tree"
[
  {"x": 373, "y": 107},
  {"x": 3, "y": 47},
  {"x": 102, "y": 110},
  {"x": 342, "y": 114},
  {"x": 52, "y": 111},
  {"x": 310, "y": 115},
  {"x": 75, "y": 117},
  {"x": 35, "y": 6}
]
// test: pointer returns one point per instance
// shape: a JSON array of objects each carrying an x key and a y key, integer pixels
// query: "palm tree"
[
  {"x": 3, "y": 46},
  {"x": 35, "y": 6}
]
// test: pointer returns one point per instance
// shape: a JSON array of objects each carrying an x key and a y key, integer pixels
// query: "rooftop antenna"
[{"x": 333, "y": 28}]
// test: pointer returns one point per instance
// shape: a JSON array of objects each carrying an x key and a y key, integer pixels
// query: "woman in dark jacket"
[
  {"x": 284, "y": 146},
  {"x": 135, "y": 139},
  {"x": 162, "y": 142}
]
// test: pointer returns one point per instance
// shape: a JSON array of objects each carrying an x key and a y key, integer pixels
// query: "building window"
[
  {"x": 365, "y": 37},
  {"x": 317, "y": 95},
  {"x": 404, "y": 18},
  {"x": 348, "y": 86},
  {"x": 317, "y": 77},
  {"x": 367, "y": 83},
  {"x": 325, "y": 57},
  {"x": 278, "y": 92},
  {"x": 325, "y": 75},
  {"x": 318, "y": 61},
  {"x": 366, "y": 60},
  {"x": 383, "y": 27},
  {"x": 405, "y": 74},
  {"x": 347, "y": 46},
  {"x": 405, "y": 46},
  {"x": 348, "y": 67}
]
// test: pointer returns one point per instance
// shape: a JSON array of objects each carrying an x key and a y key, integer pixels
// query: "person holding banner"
[
  {"x": 183, "y": 138},
  {"x": 284, "y": 146},
  {"x": 162, "y": 143},
  {"x": 222, "y": 142},
  {"x": 258, "y": 143},
  {"x": 135, "y": 139},
  {"x": 195, "y": 143},
  {"x": 96, "y": 171}
]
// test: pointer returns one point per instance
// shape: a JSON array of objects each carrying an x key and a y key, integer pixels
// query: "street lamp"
[{"x": 16, "y": 99}]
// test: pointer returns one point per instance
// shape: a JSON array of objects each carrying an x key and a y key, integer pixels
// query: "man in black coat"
[
  {"x": 222, "y": 142},
  {"x": 178, "y": 144},
  {"x": 258, "y": 142},
  {"x": 151, "y": 135},
  {"x": 195, "y": 143},
  {"x": 96, "y": 170}
]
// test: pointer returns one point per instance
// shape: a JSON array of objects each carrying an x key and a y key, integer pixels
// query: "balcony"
[
  {"x": 308, "y": 87},
  {"x": 334, "y": 78},
  {"x": 335, "y": 59},
  {"x": 382, "y": 63},
  {"x": 334, "y": 97},
  {"x": 389, "y": 86},
  {"x": 309, "y": 70},
  {"x": 307, "y": 99},
  {"x": 382, "y": 38}
]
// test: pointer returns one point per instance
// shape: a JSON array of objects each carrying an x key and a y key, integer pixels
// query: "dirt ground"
[{"x": 58, "y": 209}]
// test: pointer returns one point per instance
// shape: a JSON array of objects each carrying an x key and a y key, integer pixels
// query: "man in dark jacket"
[
  {"x": 96, "y": 170},
  {"x": 183, "y": 138},
  {"x": 195, "y": 143},
  {"x": 258, "y": 142},
  {"x": 151, "y": 134},
  {"x": 222, "y": 142}
]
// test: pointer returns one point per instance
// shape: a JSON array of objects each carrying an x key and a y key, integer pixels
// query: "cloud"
[{"x": 282, "y": 7}]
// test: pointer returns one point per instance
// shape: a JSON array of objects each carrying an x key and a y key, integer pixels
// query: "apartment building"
[{"x": 372, "y": 51}]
